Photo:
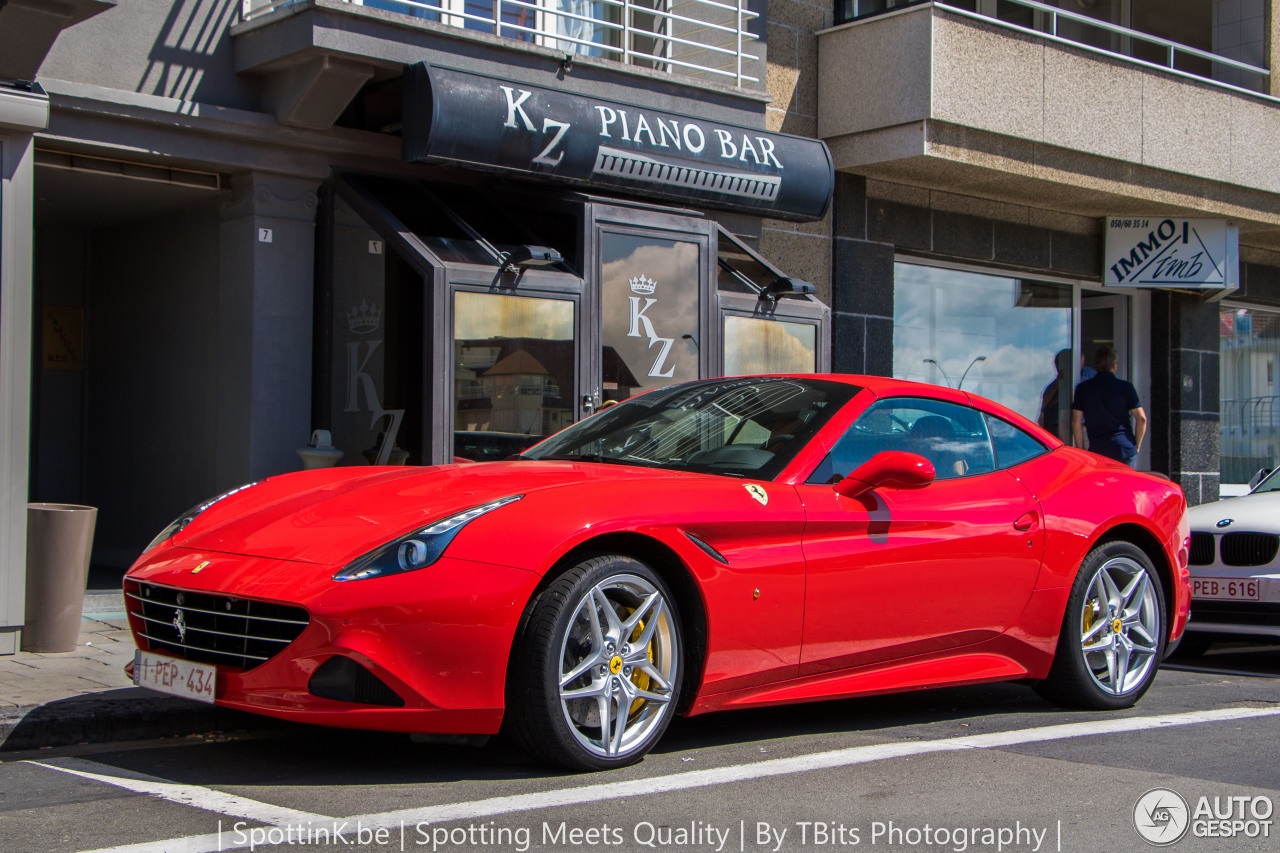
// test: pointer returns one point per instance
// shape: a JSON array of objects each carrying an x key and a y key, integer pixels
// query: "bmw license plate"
[
  {"x": 1228, "y": 589},
  {"x": 176, "y": 677}
]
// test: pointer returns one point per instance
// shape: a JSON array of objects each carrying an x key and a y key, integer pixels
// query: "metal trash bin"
[{"x": 59, "y": 541}]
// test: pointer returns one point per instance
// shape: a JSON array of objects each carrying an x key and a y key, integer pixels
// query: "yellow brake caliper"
[
  {"x": 639, "y": 677},
  {"x": 1091, "y": 607}
]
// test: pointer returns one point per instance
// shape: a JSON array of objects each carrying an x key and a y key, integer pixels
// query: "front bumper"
[
  {"x": 1235, "y": 615},
  {"x": 438, "y": 639}
]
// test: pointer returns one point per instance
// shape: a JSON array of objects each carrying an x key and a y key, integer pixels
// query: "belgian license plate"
[
  {"x": 1230, "y": 589},
  {"x": 176, "y": 677}
]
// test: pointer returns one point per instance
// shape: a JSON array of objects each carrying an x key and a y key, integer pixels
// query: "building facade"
[
  {"x": 992, "y": 156},
  {"x": 432, "y": 230}
]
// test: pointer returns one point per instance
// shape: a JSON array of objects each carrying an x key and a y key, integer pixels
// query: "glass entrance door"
[
  {"x": 1104, "y": 321},
  {"x": 651, "y": 299}
]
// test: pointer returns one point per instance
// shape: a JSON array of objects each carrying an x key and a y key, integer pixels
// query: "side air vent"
[{"x": 344, "y": 680}]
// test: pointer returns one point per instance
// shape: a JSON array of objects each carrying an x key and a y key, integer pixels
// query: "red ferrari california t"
[{"x": 718, "y": 544}]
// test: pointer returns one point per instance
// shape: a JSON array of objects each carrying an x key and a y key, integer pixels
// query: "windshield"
[
  {"x": 1270, "y": 483},
  {"x": 744, "y": 427}
]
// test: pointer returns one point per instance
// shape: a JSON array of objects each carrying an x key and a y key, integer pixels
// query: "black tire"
[
  {"x": 1126, "y": 634},
  {"x": 636, "y": 662}
]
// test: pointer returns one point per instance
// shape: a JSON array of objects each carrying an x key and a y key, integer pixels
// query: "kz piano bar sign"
[{"x": 482, "y": 122}]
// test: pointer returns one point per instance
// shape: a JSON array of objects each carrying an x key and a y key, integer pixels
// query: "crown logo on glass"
[
  {"x": 365, "y": 319},
  {"x": 642, "y": 285}
]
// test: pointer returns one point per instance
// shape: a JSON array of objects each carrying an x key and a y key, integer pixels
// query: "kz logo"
[
  {"x": 1161, "y": 816},
  {"x": 364, "y": 321},
  {"x": 550, "y": 127},
  {"x": 645, "y": 286}
]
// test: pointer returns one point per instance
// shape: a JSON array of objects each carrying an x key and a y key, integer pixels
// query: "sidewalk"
[{"x": 84, "y": 696}]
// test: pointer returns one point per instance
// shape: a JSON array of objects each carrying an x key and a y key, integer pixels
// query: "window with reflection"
[
  {"x": 1249, "y": 389},
  {"x": 954, "y": 438},
  {"x": 742, "y": 427},
  {"x": 997, "y": 336},
  {"x": 755, "y": 345},
  {"x": 1012, "y": 446},
  {"x": 650, "y": 302},
  {"x": 513, "y": 372}
]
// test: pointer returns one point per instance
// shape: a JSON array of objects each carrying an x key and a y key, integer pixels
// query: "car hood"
[
  {"x": 1257, "y": 512},
  {"x": 334, "y": 518}
]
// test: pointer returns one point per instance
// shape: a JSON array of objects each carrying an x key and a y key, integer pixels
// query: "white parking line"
[
  {"x": 261, "y": 812},
  {"x": 195, "y": 796}
]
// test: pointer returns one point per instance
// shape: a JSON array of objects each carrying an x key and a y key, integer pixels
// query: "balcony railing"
[
  {"x": 708, "y": 39},
  {"x": 1084, "y": 32}
]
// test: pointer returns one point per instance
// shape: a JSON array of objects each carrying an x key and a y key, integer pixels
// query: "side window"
[
  {"x": 1012, "y": 445},
  {"x": 954, "y": 438}
]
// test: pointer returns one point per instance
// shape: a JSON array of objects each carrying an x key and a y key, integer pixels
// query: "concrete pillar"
[
  {"x": 264, "y": 325},
  {"x": 861, "y": 287},
  {"x": 1184, "y": 408},
  {"x": 21, "y": 113}
]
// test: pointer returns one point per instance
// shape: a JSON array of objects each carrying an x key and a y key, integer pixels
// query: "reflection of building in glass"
[
  {"x": 619, "y": 382},
  {"x": 1250, "y": 425},
  {"x": 514, "y": 385}
]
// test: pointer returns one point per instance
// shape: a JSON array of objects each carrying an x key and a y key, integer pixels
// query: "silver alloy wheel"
[
  {"x": 1120, "y": 626},
  {"x": 618, "y": 665}
]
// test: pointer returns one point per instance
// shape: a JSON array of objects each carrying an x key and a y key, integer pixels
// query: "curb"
[
  {"x": 103, "y": 601},
  {"x": 130, "y": 713}
]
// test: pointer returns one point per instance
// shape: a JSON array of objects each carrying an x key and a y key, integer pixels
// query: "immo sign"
[{"x": 1187, "y": 254}]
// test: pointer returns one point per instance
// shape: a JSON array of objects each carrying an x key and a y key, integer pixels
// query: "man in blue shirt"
[{"x": 1103, "y": 406}]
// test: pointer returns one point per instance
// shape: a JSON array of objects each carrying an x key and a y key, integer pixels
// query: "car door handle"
[{"x": 1026, "y": 521}]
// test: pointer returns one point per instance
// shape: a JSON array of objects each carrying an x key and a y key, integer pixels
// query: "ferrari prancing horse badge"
[{"x": 757, "y": 492}]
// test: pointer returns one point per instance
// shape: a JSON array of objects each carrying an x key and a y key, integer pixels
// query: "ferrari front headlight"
[{"x": 418, "y": 549}]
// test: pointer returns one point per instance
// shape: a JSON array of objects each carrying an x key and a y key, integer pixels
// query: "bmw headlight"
[
  {"x": 189, "y": 516},
  {"x": 418, "y": 549}
]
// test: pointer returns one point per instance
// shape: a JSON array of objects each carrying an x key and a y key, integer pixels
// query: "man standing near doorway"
[{"x": 1103, "y": 406}]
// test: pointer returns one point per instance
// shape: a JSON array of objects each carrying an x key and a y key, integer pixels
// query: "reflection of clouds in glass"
[
  {"x": 673, "y": 265},
  {"x": 767, "y": 346},
  {"x": 954, "y": 317},
  {"x": 1015, "y": 377},
  {"x": 491, "y": 315}
]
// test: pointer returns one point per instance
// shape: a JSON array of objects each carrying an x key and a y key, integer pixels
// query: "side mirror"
[
  {"x": 891, "y": 469},
  {"x": 1258, "y": 478}
]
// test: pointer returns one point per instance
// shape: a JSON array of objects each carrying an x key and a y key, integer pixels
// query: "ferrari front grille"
[
  {"x": 1249, "y": 549},
  {"x": 210, "y": 628},
  {"x": 1202, "y": 549}
]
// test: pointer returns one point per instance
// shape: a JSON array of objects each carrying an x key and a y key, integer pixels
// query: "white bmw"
[{"x": 1235, "y": 573}]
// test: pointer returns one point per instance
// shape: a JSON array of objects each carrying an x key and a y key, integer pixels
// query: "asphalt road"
[{"x": 986, "y": 768}]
